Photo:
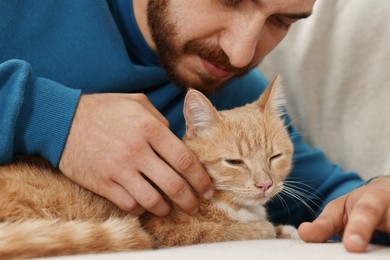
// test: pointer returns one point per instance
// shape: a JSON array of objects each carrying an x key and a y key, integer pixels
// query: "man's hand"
[
  {"x": 355, "y": 216},
  {"x": 120, "y": 147}
]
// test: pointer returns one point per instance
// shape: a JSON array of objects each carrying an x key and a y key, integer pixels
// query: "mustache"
[{"x": 215, "y": 55}]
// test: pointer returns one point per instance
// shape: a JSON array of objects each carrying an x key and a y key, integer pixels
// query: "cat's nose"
[{"x": 264, "y": 186}]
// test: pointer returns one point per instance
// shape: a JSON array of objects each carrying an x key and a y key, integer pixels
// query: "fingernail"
[
  {"x": 356, "y": 239},
  {"x": 208, "y": 194}
]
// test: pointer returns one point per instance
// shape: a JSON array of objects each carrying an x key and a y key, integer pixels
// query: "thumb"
[{"x": 329, "y": 223}]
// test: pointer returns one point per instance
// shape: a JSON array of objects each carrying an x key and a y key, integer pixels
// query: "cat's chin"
[
  {"x": 258, "y": 199},
  {"x": 255, "y": 201}
]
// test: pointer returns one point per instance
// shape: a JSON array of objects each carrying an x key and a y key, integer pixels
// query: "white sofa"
[
  {"x": 240, "y": 250},
  {"x": 336, "y": 67}
]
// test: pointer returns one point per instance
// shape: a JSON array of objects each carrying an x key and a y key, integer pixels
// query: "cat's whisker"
[
  {"x": 243, "y": 193},
  {"x": 305, "y": 191},
  {"x": 292, "y": 183},
  {"x": 281, "y": 131},
  {"x": 300, "y": 134},
  {"x": 300, "y": 197},
  {"x": 302, "y": 191},
  {"x": 294, "y": 197},
  {"x": 291, "y": 123},
  {"x": 224, "y": 187},
  {"x": 310, "y": 197},
  {"x": 284, "y": 203},
  {"x": 300, "y": 181},
  {"x": 229, "y": 188},
  {"x": 294, "y": 117},
  {"x": 294, "y": 111}
]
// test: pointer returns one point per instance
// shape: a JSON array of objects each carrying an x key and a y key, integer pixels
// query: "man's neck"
[{"x": 140, "y": 12}]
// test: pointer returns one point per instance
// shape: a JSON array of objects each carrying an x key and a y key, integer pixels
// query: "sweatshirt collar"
[{"x": 136, "y": 45}]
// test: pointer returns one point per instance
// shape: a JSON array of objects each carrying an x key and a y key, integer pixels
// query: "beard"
[{"x": 164, "y": 35}]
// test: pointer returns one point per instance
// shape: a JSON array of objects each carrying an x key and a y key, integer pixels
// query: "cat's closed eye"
[
  {"x": 235, "y": 162},
  {"x": 274, "y": 157}
]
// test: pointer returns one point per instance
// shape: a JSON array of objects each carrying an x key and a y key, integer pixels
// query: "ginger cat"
[{"x": 246, "y": 151}]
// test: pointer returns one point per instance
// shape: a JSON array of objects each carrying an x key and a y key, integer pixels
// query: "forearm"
[{"x": 36, "y": 113}]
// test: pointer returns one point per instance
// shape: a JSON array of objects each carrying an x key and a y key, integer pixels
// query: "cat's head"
[{"x": 246, "y": 151}]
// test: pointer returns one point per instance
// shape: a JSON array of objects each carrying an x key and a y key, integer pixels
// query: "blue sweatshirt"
[{"x": 52, "y": 51}]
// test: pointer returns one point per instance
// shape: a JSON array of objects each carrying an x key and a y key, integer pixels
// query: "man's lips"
[{"x": 216, "y": 71}]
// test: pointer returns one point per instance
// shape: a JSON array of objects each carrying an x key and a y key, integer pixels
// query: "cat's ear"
[
  {"x": 199, "y": 113},
  {"x": 272, "y": 99}
]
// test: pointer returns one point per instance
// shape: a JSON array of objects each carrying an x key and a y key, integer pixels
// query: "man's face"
[{"x": 203, "y": 43}]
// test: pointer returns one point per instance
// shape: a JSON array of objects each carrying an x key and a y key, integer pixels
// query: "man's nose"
[{"x": 240, "y": 41}]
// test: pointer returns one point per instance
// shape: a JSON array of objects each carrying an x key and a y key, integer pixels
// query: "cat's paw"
[{"x": 286, "y": 231}]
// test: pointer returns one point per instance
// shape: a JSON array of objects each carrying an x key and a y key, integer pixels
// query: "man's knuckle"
[
  {"x": 152, "y": 201},
  {"x": 140, "y": 97},
  {"x": 101, "y": 185},
  {"x": 176, "y": 187},
  {"x": 204, "y": 181},
  {"x": 185, "y": 161},
  {"x": 166, "y": 122},
  {"x": 134, "y": 150},
  {"x": 372, "y": 209},
  {"x": 149, "y": 126},
  {"x": 128, "y": 205}
]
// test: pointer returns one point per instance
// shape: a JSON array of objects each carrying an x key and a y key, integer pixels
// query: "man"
[{"x": 115, "y": 144}]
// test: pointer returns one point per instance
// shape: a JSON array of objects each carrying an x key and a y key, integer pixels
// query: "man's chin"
[
  {"x": 211, "y": 89},
  {"x": 206, "y": 86}
]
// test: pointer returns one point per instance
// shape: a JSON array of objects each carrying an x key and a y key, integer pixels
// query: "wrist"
[{"x": 45, "y": 118}]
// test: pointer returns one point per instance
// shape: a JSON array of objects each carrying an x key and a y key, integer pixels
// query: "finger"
[
  {"x": 363, "y": 220},
  {"x": 329, "y": 223},
  {"x": 143, "y": 99},
  {"x": 145, "y": 194},
  {"x": 183, "y": 161},
  {"x": 171, "y": 183},
  {"x": 122, "y": 198}
]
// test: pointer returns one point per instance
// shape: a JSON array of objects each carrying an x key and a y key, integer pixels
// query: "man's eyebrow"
[{"x": 294, "y": 16}]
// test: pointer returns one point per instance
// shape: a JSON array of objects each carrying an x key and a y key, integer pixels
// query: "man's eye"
[
  {"x": 282, "y": 22},
  {"x": 231, "y": 3}
]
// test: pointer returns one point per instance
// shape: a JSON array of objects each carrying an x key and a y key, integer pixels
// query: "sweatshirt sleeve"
[
  {"x": 313, "y": 182},
  {"x": 35, "y": 113}
]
